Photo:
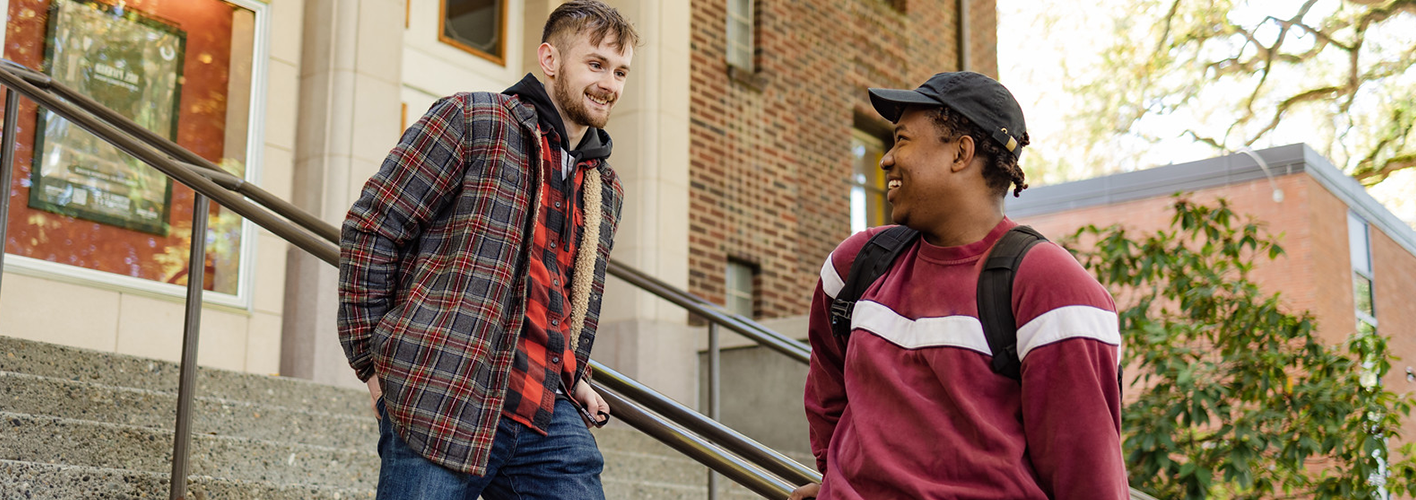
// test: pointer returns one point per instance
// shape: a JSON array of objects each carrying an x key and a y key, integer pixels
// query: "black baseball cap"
[{"x": 979, "y": 98}]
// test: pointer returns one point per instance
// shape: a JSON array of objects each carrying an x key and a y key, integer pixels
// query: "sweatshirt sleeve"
[
  {"x": 1071, "y": 402},
  {"x": 825, "y": 379},
  {"x": 420, "y": 175}
]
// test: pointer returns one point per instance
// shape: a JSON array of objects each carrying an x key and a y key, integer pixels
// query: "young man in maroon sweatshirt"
[{"x": 908, "y": 406}]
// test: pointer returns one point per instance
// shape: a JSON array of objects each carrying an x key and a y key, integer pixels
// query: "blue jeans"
[{"x": 524, "y": 465}]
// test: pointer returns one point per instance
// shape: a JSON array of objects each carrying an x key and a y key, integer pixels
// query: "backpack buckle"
[{"x": 841, "y": 315}]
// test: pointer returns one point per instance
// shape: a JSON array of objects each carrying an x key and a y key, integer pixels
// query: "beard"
[{"x": 573, "y": 105}]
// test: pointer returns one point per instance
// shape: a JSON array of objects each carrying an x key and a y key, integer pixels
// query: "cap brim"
[{"x": 891, "y": 102}]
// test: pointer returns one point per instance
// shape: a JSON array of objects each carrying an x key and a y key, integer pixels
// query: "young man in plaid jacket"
[{"x": 471, "y": 272}]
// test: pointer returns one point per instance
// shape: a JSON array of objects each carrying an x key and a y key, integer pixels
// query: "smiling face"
[
  {"x": 921, "y": 171},
  {"x": 586, "y": 81}
]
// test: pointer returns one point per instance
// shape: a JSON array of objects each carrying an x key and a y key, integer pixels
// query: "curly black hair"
[{"x": 1001, "y": 167}]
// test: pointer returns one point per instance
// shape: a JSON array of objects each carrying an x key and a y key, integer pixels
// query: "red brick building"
[
  {"x": 1339, "y": 241},
  {"x": 775, "y": 132}
]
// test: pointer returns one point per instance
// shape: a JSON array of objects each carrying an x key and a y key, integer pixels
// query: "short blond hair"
[{"x": 592, "y": 16}]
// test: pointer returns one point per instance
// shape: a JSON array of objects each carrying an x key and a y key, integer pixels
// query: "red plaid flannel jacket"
[{"x": 433, "y": 272}]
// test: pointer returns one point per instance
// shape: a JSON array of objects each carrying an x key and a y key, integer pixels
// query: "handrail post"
[
  {"x": 186, "y": 385},
  {"x": 714, "y": 395},
  {"x": 7, "y": 163}
]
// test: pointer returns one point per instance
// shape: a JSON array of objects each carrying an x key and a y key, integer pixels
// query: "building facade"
[{"x": 785, "y": 146}]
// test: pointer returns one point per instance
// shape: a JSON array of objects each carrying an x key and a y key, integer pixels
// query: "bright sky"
[{"x": 1034, "y": 62}]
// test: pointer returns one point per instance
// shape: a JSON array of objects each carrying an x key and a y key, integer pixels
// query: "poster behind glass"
[{"x": 131, "y": 63}]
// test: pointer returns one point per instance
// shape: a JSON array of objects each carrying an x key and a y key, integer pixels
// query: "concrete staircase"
[{"x": 82, "y": 424}]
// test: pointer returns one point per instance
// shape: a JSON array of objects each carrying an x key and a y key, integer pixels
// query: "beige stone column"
[
  {"x": 641, "y": 335},
  {"x": 349, "y": 113}
]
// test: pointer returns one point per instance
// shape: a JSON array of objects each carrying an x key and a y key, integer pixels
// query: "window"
[
  {"x": 476, "y": 26},
  {"x": 740, "y": 35},
  {"x": 1360, "y": 244},
  {"x": 739, "y": 289},
  {"x": 869, "y": 208},
  {"x": 88, "y": 211}
]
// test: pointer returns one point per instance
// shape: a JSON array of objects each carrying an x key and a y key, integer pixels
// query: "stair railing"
[{"x": 724, "y": 450}]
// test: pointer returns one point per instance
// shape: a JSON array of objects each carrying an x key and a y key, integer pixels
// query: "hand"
[
  {"x": 375, "y": 392},
  {"x": 592, "y": 402},
  {"x": 808, "y": 490}
]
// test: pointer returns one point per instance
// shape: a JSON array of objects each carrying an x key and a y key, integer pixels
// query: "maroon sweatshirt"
[{"x": 910, "y": 408}]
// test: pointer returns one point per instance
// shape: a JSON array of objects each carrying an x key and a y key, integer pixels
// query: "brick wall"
[
  {"x": 1311, "y": 225},
  {"x": 770, "y": 161}
]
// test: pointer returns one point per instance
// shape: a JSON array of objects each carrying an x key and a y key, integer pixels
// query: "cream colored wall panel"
[
  {"x": 438, "y": 77},
  {"x": 377, "y": 129},
  {"x": 674, "y": 80},
  {"x": 263, "y": 344},
  {"x": 673, "y": 14},
  {"x": 339, "y": 172},
  {"x": 675, "y": 146},
  {"x": 39, "y": 309},
  {"x": 277, "y": 169},
  {"x": 416, "y": 103},
  {"x": 287, "y": 21},
  {"x": 311, "y": 140},
  {"x": 344, "y": 99},
  {"x": 270, "y": 273},
  {"x": 282, "y": 102},
  {"x": 359, "y": 172},
  {"x": 223, "y": 340},
  {"x": 150, "y": 327},
  {"x": 378, "y": 48}
]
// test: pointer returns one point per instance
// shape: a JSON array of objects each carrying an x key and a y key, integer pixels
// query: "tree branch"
[
  {"x": 1207, "y": 140},
  {"x": 1311, "y": 95},
  {"x": 1388, "y": 167}
]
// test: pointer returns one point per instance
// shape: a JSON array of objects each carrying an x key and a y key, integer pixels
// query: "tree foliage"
[
  {"x": 1229, "y": 74},
  {"x": 1237, "y": 397}
]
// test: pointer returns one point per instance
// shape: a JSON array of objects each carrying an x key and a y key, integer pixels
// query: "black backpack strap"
[
  {"x": 869, "y": 265},
  {"x": 995, "y": 298}
]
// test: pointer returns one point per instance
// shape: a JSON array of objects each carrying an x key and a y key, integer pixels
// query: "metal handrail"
[
  {"x": 792, "y": 348},
  {"x": 746, "y": 447},
  {"x": 697, "y": 448}
]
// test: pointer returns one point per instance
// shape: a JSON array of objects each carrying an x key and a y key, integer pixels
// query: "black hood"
[{"x": 595, "y": 144}]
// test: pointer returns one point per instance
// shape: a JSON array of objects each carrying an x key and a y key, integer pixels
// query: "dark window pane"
[{"x": 474, "y": 23}]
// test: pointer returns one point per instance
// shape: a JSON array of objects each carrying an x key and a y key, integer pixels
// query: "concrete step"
[
  {"x": 81, "y": 400},
  {"x": 71, "y": 416},
  {"x": 71, "y": 363},
  {"x": 52, "y": 440},
  {"x": 638, "y": 466},
  {"x": 36, "y": 481}
]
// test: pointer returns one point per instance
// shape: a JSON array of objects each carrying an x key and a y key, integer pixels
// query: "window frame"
[
  {"x": 749, "y": 20},
  {"x": 500, "y": 57},
  {"x": 874, "y": 185},
  {"x": 1362, "y": 269},
  {"x": 256, "y": 108},
  {"x": 730, "y": 293}
]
